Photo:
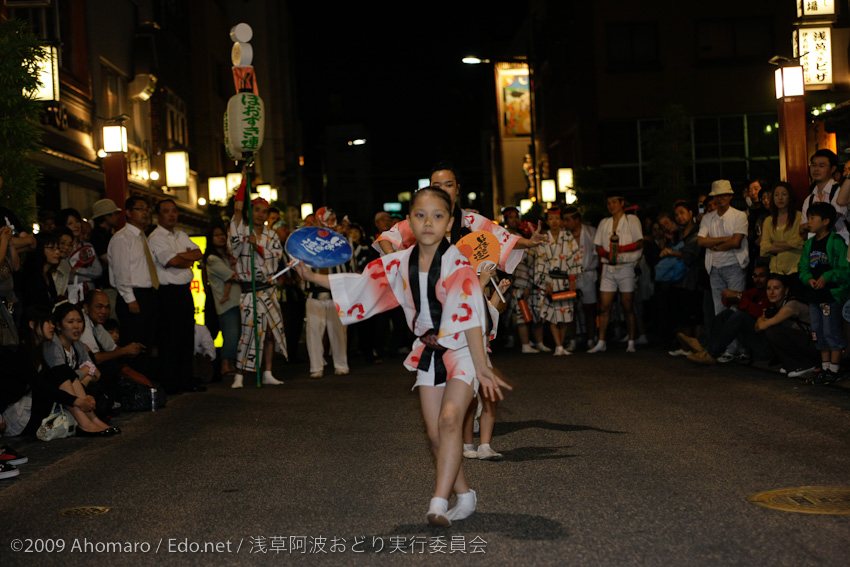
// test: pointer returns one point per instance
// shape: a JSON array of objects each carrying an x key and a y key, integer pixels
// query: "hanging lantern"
[{"x": 245, "y": 123}]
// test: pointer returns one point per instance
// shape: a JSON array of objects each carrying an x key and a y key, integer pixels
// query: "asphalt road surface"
[{"x": 613, "y": 459}]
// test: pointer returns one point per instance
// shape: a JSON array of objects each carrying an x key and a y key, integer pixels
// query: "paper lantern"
[{"x": 245, "y": 123}]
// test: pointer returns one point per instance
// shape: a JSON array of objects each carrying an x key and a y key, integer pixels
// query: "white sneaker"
[
  {"x": 642, "y": 340},
  {"x": 559, "y": 351},
  {"x": 679, "y": 352},
  {"x": 571, "y": 347},
  {"x": 600, "y": 347},
  {"x": 465, "y": 506},
  {"x": 438, "y": 513},
  {"x": 469, "y": 451},
  {"x": 237, "y": 381},
  {"x": 631, "y": 347},
  {"x": 485, "y": 453},
  {"x": 528, "y": 349},
  {"x": 542, "y": 348}
]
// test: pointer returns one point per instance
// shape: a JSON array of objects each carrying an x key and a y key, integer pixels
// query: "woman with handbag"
[
  {"x": 65, "y": 349},
  {"x": 31, "y": 389}
]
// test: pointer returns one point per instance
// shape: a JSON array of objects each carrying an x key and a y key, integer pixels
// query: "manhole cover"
[
  {"x": 83, "y": 511},
  {"x": 806, "y": 499}
]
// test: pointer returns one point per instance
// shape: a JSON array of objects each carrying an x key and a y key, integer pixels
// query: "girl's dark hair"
[
  {"x": 438, "y": 192},
  {"x": 38, "y": 316},
  {"x": 63, "y": 215},
  {"x": 792, "y": 204},
  {"x": 61, "y": 311},
  {"x": 210, "y": 249},
  {"x": 434, "y": 191}
]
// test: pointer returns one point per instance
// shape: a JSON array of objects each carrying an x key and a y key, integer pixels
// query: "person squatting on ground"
[
  {"x": 555, "y": 274},
  {"x": 264, "y": 245},
  {"x": 734, "y": 327},
  {"x": 444, "y": 306}
]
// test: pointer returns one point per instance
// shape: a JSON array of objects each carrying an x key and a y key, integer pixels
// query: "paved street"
[{"x": 614, "y": 460}]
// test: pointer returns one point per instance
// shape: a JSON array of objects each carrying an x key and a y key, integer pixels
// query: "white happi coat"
[{"x": 384, "y": 285}]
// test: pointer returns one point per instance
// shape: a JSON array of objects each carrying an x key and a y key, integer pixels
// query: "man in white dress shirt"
[
  {"x": 723, "y": 234},
  {"x": 133, "y": 273},
  {"x": 174, "y": 255}
]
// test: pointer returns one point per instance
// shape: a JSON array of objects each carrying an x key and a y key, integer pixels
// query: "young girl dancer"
[
  {"x": 442, "y": 301},
  {"x": 444, "y": 176}
]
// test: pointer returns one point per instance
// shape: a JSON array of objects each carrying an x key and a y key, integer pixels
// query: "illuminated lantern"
[{"x": 245, "y": 123}]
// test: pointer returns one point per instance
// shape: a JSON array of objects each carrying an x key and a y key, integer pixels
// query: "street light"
[
  {"x": 177, "y": 169},
  {"x": 548, "y": 191},
  {"x": 791, "y": 110},
  {"x": 217, "y": 189},
  {"x": 48, "y": 74},
  {"x": 114, "y": 138}
]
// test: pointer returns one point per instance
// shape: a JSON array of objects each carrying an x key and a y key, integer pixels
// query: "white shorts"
[
  {"x": 586, "y": 283},
  {"x": 618, "y": 278},
  {"x": 458, "y": 364}
]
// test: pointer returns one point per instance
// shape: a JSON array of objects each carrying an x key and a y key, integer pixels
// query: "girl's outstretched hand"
[
  {"x": 492, "y": 384},
  {"x": 537, "y": 237}
]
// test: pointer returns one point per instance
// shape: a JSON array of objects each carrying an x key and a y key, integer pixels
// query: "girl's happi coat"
[
  {"x": 401, "y": 237},
  {"x": 384, "y": 285}
]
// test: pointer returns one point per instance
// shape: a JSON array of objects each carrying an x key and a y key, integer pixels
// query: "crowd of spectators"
[
  {"x": 97, "y": 316},
  {"x": 746, "y": 277}
]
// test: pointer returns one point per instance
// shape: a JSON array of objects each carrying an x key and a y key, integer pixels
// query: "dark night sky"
[{"x": 399, "y": 73}]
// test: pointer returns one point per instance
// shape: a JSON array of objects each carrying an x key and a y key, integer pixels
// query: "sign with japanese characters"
[
  {"x": 318, "y": 247},
  {"x": 245, "y": 123},
  {"x": 814, "y": 48},
  {"x": 815, "y": 8}
]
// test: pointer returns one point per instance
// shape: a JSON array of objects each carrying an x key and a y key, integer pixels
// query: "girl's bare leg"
[
  {"x": 443, "y": 410},
  {"x": 468, "y": 422}
]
